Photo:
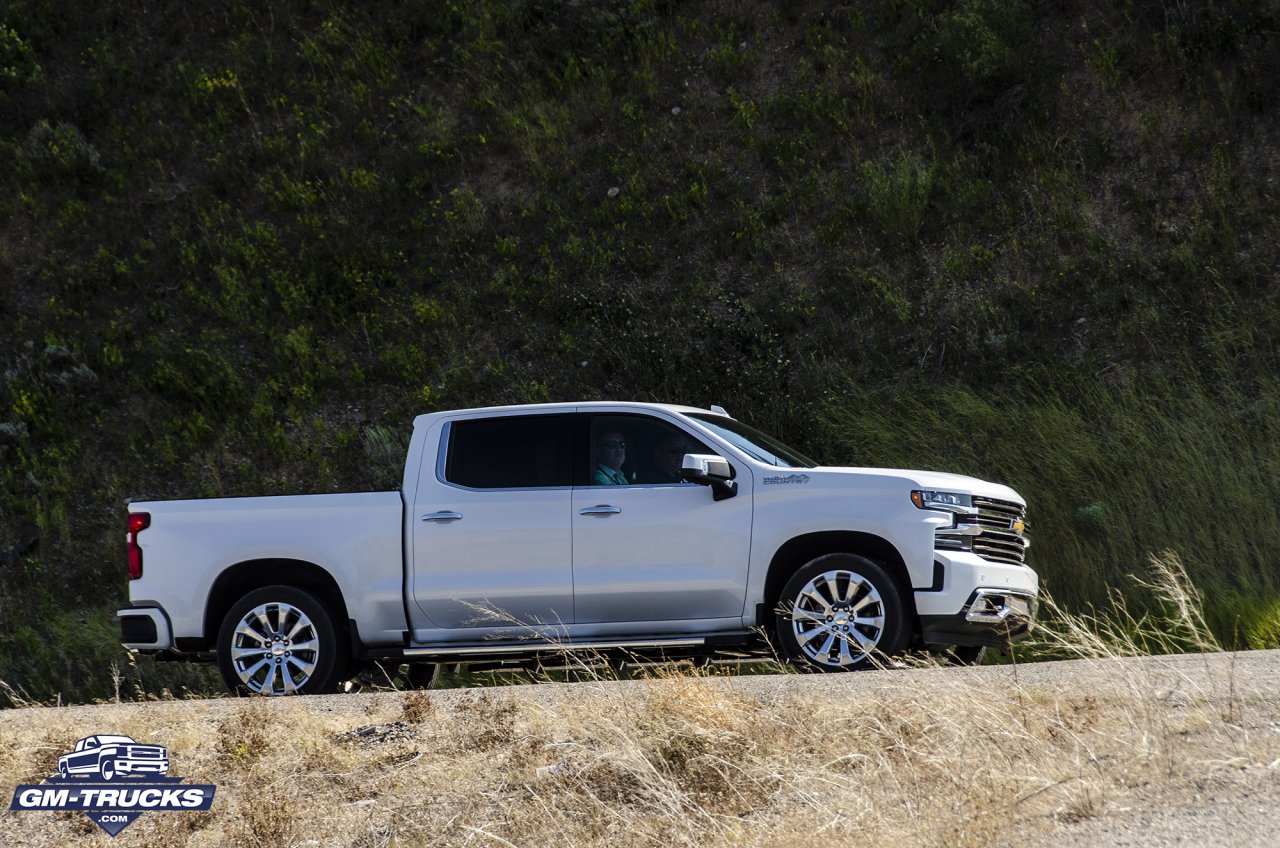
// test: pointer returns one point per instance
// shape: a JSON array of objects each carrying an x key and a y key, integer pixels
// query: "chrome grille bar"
[{"x": 993, "y": 529}]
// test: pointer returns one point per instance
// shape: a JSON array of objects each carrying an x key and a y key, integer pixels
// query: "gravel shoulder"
[{"x": 1245, "y": 675}]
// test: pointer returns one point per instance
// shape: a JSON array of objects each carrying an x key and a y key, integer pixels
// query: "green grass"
[
  {"x": 243, "y": 247},
  {"x": 65, "y": 656}
]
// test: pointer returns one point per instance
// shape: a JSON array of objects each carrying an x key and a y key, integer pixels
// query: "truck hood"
[{"x": 931, "y": 480}]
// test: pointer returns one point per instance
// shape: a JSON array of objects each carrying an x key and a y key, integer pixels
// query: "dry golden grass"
[{"x": 918, "y": 757}]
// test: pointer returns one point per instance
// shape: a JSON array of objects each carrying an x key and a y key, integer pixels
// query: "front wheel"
[
  {"x": 280, "y": 640},
  {"x": 840, "y": 612}
]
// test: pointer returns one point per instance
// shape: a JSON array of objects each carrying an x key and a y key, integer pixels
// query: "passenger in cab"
[{"x": 611, "y": 452}]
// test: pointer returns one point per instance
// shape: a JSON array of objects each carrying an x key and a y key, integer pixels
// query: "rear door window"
[{"x": 517, "y": 452}]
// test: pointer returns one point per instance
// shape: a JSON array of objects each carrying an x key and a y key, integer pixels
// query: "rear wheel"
[
  {"x": 280, "y": 640},
  {"x": 840, "y": 612}
]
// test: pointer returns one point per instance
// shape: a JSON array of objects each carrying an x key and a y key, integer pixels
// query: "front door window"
[{"x": 635, "y": 450}]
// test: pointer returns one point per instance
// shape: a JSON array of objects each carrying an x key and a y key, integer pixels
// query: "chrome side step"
[
  {"x": 540, "y": 646},
  {"x": 534, "y": 647}
]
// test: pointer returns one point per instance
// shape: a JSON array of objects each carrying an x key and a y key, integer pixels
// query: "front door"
[{"x": 647, "y": 546}]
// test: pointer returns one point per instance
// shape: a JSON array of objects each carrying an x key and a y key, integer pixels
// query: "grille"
[
  {"x": 997, "y": 515},
  {"x": 1001, "y": 547},
  {"x": 999, "y": 541}
]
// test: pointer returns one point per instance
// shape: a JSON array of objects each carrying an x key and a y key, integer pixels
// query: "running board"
[{"x": 712, "y": 641}]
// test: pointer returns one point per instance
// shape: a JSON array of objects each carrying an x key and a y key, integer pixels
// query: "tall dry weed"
[
  {"x": 1176, "y": 623},
  {"x": 246, "y": 735}
]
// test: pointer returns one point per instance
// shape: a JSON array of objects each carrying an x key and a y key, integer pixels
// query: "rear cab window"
[{"x": 513, "y": 452}]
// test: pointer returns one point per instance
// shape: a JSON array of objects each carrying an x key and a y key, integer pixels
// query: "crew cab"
[
  {"x": 110, "y": 756},
  {"x": 625, "y": 529}
]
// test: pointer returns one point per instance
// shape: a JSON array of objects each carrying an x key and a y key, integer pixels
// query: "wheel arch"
[
  {"x": 797, "y": 551},
  {"x": 244, "y": 577}
]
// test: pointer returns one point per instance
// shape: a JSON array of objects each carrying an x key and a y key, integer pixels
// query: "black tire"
[
  {"x": 841, "y": 612},
  {"x": 280, "y": 640}
]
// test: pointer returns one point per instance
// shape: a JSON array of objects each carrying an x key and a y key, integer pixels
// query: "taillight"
[{"x": 138, "y": 521}]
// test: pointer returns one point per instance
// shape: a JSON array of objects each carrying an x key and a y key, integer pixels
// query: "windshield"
[{"x": 754, "y": 443}]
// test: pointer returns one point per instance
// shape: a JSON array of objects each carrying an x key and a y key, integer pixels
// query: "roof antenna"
[{"x": 719, "y": 410}]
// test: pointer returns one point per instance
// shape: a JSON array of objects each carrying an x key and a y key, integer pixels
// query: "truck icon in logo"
[{"x": 108, "y": 757}]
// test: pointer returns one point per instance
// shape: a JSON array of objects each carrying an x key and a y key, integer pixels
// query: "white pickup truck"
[{"x": 625, "y": 529}]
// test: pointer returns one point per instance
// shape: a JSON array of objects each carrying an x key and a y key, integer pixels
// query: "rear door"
[
  {"x": 645, "y": 547},
  {"x": 492, "y": 543}
]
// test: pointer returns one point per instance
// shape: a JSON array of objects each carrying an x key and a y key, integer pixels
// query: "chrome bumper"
[{"x": 992, "y": 606}]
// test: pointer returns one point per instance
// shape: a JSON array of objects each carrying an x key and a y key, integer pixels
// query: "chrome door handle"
[
  {"x": 442, "y": 516},
  {"x": 600, "y": 509}
]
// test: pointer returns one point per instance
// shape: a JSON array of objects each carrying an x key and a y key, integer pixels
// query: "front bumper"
[
  {"x": 975, "y": 601},
  {"x": 959, "y": 573},
  {"x": 143, "y": 766},
  {"x": 992, "y": 617}
]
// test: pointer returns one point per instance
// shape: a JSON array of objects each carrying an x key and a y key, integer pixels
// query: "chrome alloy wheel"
[
  {"x": 275, "y": 649},
  {"x": 837, "y": 618}
]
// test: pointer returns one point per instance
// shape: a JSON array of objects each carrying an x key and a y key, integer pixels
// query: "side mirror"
[{"x": 710, "y": 470}]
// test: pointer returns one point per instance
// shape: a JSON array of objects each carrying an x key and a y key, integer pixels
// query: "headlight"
[{"x": 949, "y": 501}]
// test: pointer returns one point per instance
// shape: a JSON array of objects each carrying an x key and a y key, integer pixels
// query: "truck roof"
[
  {"x": 580, "y": 406},
  {"x": 102, "y": 739}
]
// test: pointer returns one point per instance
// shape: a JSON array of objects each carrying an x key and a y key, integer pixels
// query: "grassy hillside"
[{"x": 242, "y": 245}]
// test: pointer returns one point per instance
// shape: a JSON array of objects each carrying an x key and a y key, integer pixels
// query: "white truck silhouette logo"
[{"x": 110, "y": 756}]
